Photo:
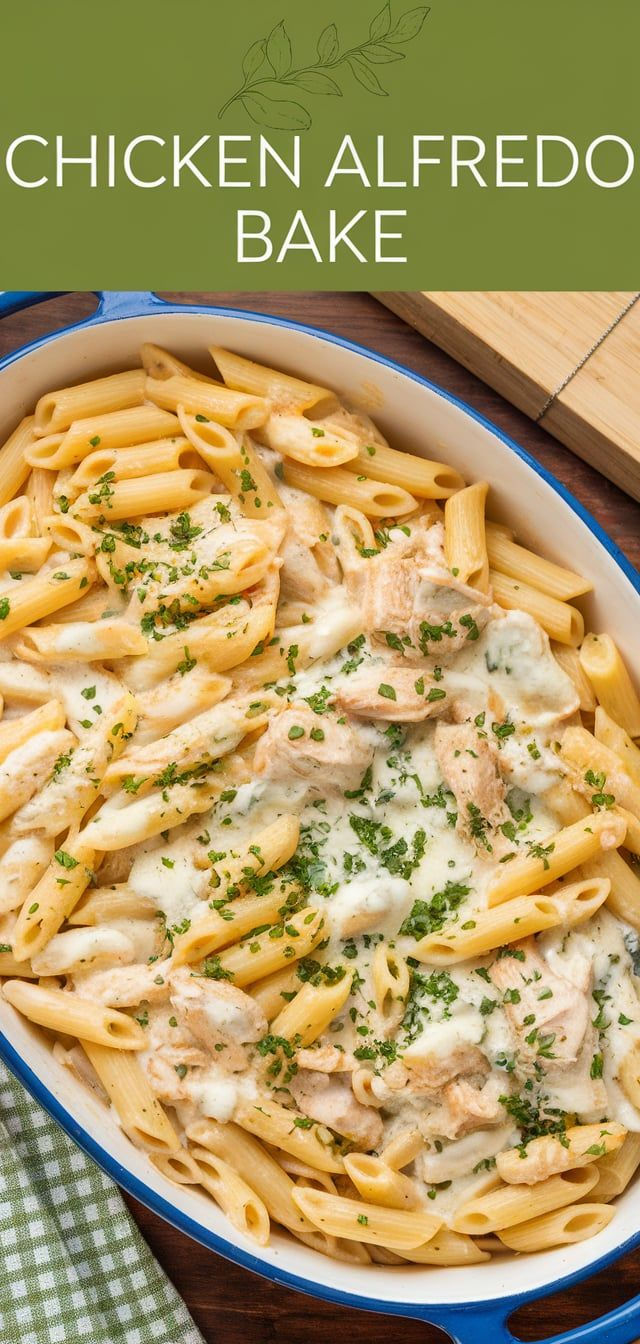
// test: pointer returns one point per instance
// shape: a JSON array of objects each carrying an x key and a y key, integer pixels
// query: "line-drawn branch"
[{"x": 268, "y": 64}]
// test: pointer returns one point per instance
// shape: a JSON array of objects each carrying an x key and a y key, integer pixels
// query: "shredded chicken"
[
  {"x": 398, "y": 694},
  {"x": 470, "y": 768},
  {"x": 222, "y": 1018},
  {"x": 548, "y": 1014},
  {"x": 127, "y": 986},
  {"x": 330, "y": 1101},
  {"x": 315, "y": 748},
  {"x": 430, "y": 1073}
]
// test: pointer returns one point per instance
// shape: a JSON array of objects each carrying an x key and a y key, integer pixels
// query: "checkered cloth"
[{"x": 73, "y": 1266}]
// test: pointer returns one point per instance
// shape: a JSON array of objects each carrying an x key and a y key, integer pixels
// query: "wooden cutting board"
[{"x": 568, "y": 360}]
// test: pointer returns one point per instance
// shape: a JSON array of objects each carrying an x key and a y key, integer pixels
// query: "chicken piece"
[
  {"x": 126, "y": 986},
  {"x": 449, "y": 621},
  {"x": 471, "y": 1107},
  {"x": 325, "y": 1059},
  {"x": 165, "y": 1068},
  {"x": 330, "y": 1101},
  {"x": 221, "y": 1017},
  {"x": 470, "y": 768},
  {"x": 308, "y": 518},
  {"x": 430, "y": 1071},
  {"x": 409, "y": 703},
  {"x": 408, "y": 589},
  {"x": 547, "y": 1013},
  {"x": 292, "y": 746},
  {"x": 300, "y": 576},
  {"x": 447, "y": 1162}
]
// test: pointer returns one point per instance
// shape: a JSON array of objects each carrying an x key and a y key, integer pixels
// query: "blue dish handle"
[
  {"x": 489, "y": 1322},
  {"x": 111, "y": 302}
]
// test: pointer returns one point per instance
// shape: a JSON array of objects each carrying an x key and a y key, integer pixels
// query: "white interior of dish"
[{"x": 424, "y": 422}]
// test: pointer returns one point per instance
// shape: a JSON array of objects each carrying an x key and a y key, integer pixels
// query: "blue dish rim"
[{"x": 118, "y": 306}]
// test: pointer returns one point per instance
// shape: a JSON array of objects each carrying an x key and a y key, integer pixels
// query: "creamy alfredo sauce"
[{"x": 479, "y": 1057}]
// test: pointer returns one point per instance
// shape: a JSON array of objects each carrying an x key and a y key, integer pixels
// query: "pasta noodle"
[
  {"x": 465, "y": 536},
  {"x": 561, "y": 621},
  {"x": 428, "y": 480},
  {"x": 574, "y": 845},
  {"x": 529, "y": 568},
  {"x": 234, "y": 409},
  {"x": 559, "y": 1228},
  {"x": 74, "y": 1016},
  {"x": 14, "y": 467},
  {"x": 47, "y": 592},
  {"x": 335, "y": 485},
  {"x": 611, "y": 682},
  {"x": 358, "y": 1221},
  {"x": 235, "y": 461}
]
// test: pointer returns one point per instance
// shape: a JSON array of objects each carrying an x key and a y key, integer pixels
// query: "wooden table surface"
[{"x": 227, "y": 1302}]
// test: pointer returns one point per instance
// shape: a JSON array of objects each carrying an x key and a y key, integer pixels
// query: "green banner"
[{"x": 185, "y": 144}]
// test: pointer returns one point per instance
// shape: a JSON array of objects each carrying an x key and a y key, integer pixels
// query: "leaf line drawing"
[{"x": 268, "y": 68}]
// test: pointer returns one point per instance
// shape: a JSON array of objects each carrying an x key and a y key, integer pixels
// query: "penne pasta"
[
  {"x": 309, "y": 1014},
  {"x": 280, "y": 389},
  {"x": 275, "y": 1125},
  {"x": 119, "y": 901},
  {"x": 15, "y": 732},
  {"x": 517, "y": 918},
  {"x": 527, "y": 567},
  {"x": 569, "y": 660},
  {"x": 624, "y": 894},
  {"x": 145, "y": 459},
  {"x": 561, "y": 621},
  {"x": 272, "y": 992},
  {"x": 161, "y": 363},
  {"x": 378, "y": 1183},
  {"x": 240, "y": 1203},
  {"x": 560, "y": 1228},
  {"x": 143, "y": 495},
  {"x": 420, "y": 476},
  {"x": 446, "y": 1248},
  {"x": 567, "y": 849},
  {"x": 613, "y": 736},
  {"x": 24, "y": 553},
  {"x": 245, "y": 962},
  {"x": 307, "y": 441},
  {"x": 511, "y": 1204},
  {"x": 398, "y": 1229},
  {"x": 57, "y": 411},
  {"x": 391, "y": 984},
  {"x": 115, "y": 429},
  {"x": 235, "y": 461},
  {"x": 236, "y": 410},
  {"x": 16, "y": 519},
  {"x": 241, "y": 1151},
  {"x": 617, "y": 1169},
  {"x": 138, "y": 1109},
  {"x": 14, "y": 467},
  {"x": 81, "y": 641},
  {"x": 53, "y": 898},
  {"x": 44, "y": 594},
  {"x": 335, "y": 485},
  {"x": 72, "y": 1015},
  {"x": 465, "y": 536},
  {"x": 611, "y": 682}
]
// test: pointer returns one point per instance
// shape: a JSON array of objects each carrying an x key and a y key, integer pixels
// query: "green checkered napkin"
[{"x": 73, "y": 1266}]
